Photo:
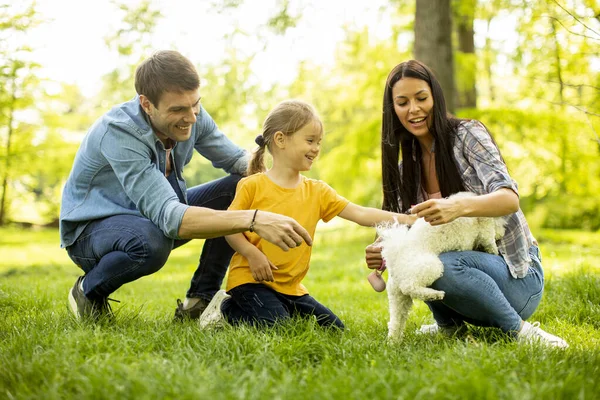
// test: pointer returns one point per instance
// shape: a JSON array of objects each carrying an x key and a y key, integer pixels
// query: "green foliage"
[
  {"x": 540, "y": 100},
  {"x": 18, "y": 84},
  {"x": 132, "y": 41},
  {"x": 132, "y": 38},
  {"x": 283, "y": 19},
  {"x": 234, "y": 100},
  {"x": 570, "y": 213},
  {"x": 556, "y": 48},
  {"x": 45, "y": 354},
  {"x": 466, "y": 72},
  {"x": 349, "y": 100},
  {"x": 554, "y": 160}
]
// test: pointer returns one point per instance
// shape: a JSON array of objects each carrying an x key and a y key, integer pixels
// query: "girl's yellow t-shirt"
[{"x": 309, "y": 202}]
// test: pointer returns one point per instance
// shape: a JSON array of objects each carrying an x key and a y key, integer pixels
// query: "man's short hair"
[{"x": 165, "y": 71}]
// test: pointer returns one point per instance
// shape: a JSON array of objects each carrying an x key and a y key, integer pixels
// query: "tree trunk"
[
  {"x": 4, "y": 200},
  {"x": 564, "y": 151},
  {"x": 433, "y": 43},
  {"x": 467, "y": 91},
  {"x": 487, "y": 59}
]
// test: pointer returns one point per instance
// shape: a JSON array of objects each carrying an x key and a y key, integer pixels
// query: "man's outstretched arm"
[{"x": 205, "y": 223}]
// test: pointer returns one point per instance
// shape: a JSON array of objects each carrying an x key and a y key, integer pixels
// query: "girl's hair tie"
[{"x": 260, "y": 140}]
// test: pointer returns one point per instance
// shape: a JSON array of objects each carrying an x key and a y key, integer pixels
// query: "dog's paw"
[
  {"x": 439, "y": 295},
  {"x": 394, "y": 338},
  {"x": 426, "y": 294},
  {"x": 432, "y": 296}
]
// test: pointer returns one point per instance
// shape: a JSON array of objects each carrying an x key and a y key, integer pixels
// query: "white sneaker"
[
  {"x": 428, "y": 329},
  {"x": 532, "y": 333},
  {"x": 212, "y": 317},
  {"x": 449, "y": 331}
]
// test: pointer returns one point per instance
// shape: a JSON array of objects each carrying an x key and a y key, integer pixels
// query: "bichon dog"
[{"x": 411, "y": 257}]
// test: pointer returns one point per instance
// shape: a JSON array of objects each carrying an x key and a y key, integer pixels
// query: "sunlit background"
[
  {"x": 529, "y": 70},
  {"x": 72, "y": 45}
]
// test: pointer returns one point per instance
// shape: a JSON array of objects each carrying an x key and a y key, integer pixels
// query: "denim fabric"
[
  {"x": 119, "y": 169},
  {"x": 119, "y": 249},
  {"x": 259, "y": 305},
  {"x": 216, "y": 252},
  {"x": 480, "y": 290}
]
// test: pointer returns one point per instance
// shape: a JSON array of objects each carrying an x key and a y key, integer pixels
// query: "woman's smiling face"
[{"x": 413, "y": 104}]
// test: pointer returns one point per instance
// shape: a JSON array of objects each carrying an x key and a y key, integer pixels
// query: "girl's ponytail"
[{"x": 257, "y": 162}]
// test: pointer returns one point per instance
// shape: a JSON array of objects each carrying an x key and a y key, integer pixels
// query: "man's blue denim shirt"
[{"x": 120, "y": 169}]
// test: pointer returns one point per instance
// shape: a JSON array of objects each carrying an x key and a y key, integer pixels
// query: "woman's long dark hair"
[{"x": 399, "y": 195}]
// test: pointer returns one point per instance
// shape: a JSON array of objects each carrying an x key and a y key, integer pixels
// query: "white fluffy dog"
[{"x": 411, "y": 258}]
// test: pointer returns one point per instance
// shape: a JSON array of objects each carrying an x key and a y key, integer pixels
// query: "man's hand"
[
  {"x": 261, "y": 268},
  {"x": 280, "y": 230},
  {"x": 373, "y": 255}
]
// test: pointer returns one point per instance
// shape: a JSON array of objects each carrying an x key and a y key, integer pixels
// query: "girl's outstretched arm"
[
  {"x": 368, "y": 216},
  {"x": 260, "y": 266}
]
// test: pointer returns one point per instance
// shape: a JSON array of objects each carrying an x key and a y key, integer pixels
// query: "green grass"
[{"x": 45, "y": 354}]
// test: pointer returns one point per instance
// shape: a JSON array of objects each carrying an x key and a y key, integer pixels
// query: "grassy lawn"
[{"x": 45, "y": 354}]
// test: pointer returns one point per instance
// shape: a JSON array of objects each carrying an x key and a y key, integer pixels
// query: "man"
[{"x": 125, "y": 205}]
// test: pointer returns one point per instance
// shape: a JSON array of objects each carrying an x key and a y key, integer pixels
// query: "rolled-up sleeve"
[
  {"x": 141, "y": 181},
  {"x": 484, "y": 159}
]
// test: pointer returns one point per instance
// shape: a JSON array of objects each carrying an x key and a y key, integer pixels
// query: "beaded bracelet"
[{"x": 251, "y": 229}]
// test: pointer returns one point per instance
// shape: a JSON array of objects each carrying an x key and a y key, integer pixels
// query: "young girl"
[{"x": 264, "y": 285}]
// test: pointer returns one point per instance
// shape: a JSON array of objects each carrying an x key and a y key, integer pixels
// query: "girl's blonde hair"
[{"x": 288, "y": 117}]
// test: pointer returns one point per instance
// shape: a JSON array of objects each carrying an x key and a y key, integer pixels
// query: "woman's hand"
[
  {"x": 438, "y": 211},
  {"x": 373, "y": 255},
  {"x": 261, "y": 267}
]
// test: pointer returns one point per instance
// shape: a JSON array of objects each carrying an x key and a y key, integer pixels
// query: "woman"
[{"x": 442, "y": 155}]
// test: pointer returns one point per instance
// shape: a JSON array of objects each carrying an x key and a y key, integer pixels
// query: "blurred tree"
[
  {"x": 490, "y": 13},
  {"x": 278, "y": 21},
  {"x": 231, "y": 93},
  {"x": 66, "y": 115},
  {"x": 433, "y": 43},
  {"x": 348, "y": 97},
  {"x": 233, "y": 98},
  {"x": 132, "y": 41},
  {"x": 17, "y": 81},
  {"x": 465, "y": 57},
  {"x": 555, "y": 51},
  {"x": 540, "y": 91},
  {"x": 283, "y": 18}
]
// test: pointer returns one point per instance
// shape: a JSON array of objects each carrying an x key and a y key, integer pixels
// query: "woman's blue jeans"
[
  {"x": 122, "y": 248},
  {"x": 480, "y": 290}
]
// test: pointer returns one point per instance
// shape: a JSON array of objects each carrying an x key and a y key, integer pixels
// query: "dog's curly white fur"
[{"x": 411, "y": 257}]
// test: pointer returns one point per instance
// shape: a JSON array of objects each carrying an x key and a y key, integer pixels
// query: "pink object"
[{"x": 376, "y": 280}]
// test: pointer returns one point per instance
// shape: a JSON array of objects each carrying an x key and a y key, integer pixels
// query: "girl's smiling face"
[{"x": 303, "y": 147}]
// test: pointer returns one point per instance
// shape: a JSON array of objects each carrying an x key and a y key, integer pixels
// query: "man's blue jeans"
[
  {"x": 480, "y": 290},
  {"x": 122, "y": 248}
]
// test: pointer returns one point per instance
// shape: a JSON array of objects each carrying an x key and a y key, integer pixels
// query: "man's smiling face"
[{"x": 174, "y": 115}]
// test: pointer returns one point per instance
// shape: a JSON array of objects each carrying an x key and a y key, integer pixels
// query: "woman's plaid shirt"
[{"x": 483, "y": 171}]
